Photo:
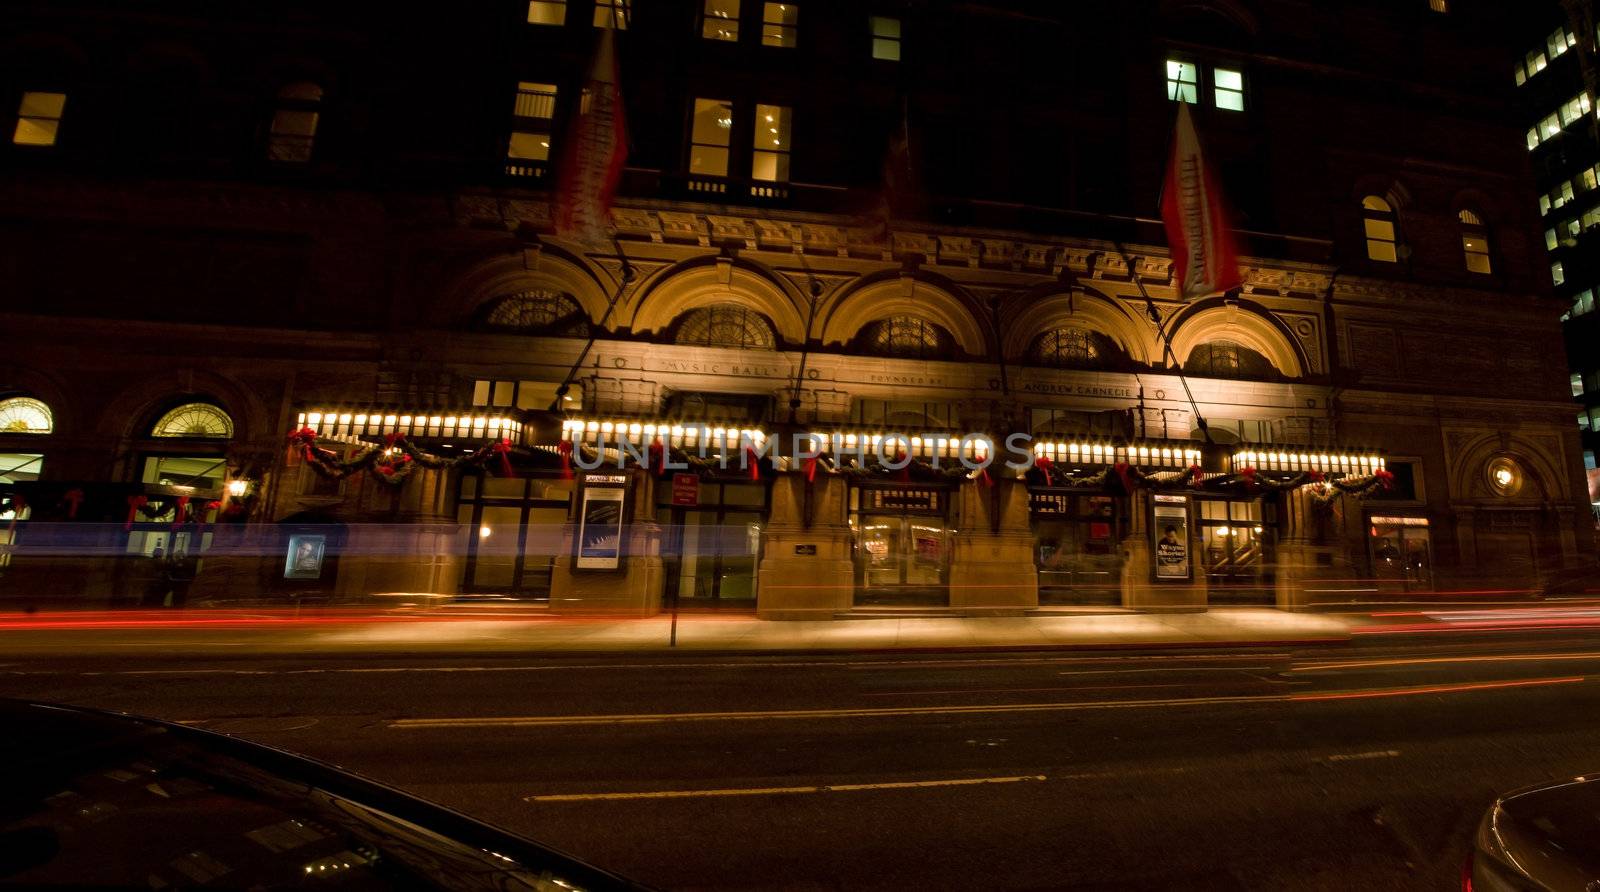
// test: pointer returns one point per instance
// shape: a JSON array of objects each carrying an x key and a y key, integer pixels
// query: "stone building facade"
[{"x": 394, "y": 285}]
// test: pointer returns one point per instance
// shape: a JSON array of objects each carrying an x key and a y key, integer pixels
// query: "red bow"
[
  {"x": 811, "y": 469},
  {"x": 564, "y": 449},
  {"x": 1315, "y": 476},
  {"x": 1385, "y": 478},
  {"x": 392, "y": 438},
  {"x": 305, "y": 438},
  {"x": 503, "y": 449},
  {"x": 1196, "y": 474},
  {"x": 18, "y": 505},
  {"x": 183, "y": 511},
  {"x": 134, "y": 504},
  {"x": 205, "y": 512},
  {"x": 73, "y": 499},
  {"x": 1125, "y": 475},
  {"x": 983, "y": 474},
  {"x": 655, "y": 458},
  {"x": 1249, "y": 476},
  {"x": 752, "y": 460},
  {"x": 1044, "y": 464},
  {"x": 904, "y": 474}
]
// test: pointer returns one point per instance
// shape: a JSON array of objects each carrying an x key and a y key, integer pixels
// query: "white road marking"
[{"x": 782, "y": 791}]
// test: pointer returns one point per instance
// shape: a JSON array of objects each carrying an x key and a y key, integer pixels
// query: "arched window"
[
  {"x": 1378, "y": 220},
  {"x": 294, "y": 123},
  {"x": 194, "y": 421},
  {"x": 538, "y": 312},
  {"x": 1228, "y": 359},
  {"x": 907, "y": 337},
  {"x": 22, "y": 415},
  {"x": 725, "y": 325},
  {"x": 1074, "y": 348},
  {"x": 1475, "y": 242}
]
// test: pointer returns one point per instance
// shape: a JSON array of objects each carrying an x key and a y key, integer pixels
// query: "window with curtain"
[
  {"x": 1475, "y": 242},
  {"x": 294, "y": 123},
  {"x": 1378, "y": 223}
]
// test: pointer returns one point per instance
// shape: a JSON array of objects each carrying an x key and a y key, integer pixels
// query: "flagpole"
[{"x": 594, "y": 330}]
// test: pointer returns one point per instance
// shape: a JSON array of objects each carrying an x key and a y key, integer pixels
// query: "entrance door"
[
  {"x": 513, "y": 533},
  {"x": 1402, "y": 552},
  {"x": 902, "y": 561}
]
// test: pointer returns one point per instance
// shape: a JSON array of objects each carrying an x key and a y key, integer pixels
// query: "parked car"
[
  {"x": 1539, "y": 838},
  {"x": 92, "y": 799}
]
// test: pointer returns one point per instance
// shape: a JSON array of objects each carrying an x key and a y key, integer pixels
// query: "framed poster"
[
  {"x": 304, "y": 557},
  {"x": 1169, "y": 528},
  {"x": 600, "y": 522}
]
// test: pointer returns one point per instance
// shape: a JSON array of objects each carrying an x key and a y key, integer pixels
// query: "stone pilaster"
[{"x": 806, "y": 572}]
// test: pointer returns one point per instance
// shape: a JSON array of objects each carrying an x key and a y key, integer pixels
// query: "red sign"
[{"x": 686, "y": 489}]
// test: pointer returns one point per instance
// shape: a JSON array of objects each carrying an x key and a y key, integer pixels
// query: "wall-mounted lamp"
[{"x": 238, "y": 488}]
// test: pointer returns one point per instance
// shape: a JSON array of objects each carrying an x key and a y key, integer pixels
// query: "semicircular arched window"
[
  {"x": 194, "y": 421},
  {"x": 539, "y": 311},
  {"x": 907, "y": 337},
  {"x": 1228, "y": 359},
  {"x": 725, "y": 325},
  {"x": 1074, "y": 348},
  {"x": 23, "y": 415}
]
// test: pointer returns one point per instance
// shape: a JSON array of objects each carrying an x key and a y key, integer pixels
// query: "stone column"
[
  {"x": 405, "y": 543},
  {"x": 992, "y": 570},
  {"x": 1307, "y": 551},
  {"x": 806, "y": 572},
  {"x": 635, "y": 587}
]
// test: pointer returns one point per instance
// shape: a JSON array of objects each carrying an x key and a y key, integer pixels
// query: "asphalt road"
[{"x": 1360, "y": 766}]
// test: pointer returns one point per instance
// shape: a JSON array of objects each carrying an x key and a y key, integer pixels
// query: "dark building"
[
  {"x": 222, "y": 224},
  {"x": 1555, "y": 73}
]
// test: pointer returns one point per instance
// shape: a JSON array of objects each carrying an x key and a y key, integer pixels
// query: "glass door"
[
  {"x": 513, "y": 527},
  {"x": 711, "y": 549},
  {"x": 902, "y": 561},
  {"x": 1234, "y": 552}
]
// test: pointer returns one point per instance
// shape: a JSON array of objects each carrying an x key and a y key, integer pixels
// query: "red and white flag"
[
  {"x": 591, "y": 162},
  {"x": 1204, "y": 258}
]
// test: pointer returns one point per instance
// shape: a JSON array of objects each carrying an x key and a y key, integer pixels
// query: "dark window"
[
  {"x": 907, "y": 337},
  {"x": 1226, "y": 359},
  {"x": 538, "y": 312},
  {"x": 1074, "y": 348},
  {"x": 727, "y": 325}
]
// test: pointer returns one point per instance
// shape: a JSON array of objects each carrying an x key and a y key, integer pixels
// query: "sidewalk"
[{"x": 254, "y": 632}]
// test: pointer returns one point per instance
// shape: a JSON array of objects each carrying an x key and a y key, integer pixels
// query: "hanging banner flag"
[
  {"x": 1204, "y": 258},
  {"x": 592, "y": 158}
]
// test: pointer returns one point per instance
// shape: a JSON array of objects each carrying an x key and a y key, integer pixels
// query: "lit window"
[
  {"x": 533, "y": 122},
  {"x": 1535, "y": 63},
  {"x": 194, "y": 420},
  {"x": 611, "y": 14},
  {"x": 39, "y": 119},
  {"x": 294, "y": 123},
  {"x": 907, "y": 337},
  {"x": 1228, "y": 87},
  {"x": 771, "y": 162},
  {"x": 1074, "y": 348},
  {"x": 779, "y": 23},
  {"x": 1583, "y": 421},
  {"x": 21, "y": 415},
  {"x": 1558, "y": 274},
  {"x": 1588, "y": 460},
  {"x": 720, "y": 20},
  {"x": 1439, "y": 5},
  {"x": 1583, "y": 303},
  {"x": 885, "y": 37},
  {"x": 725, "y": 325},
  {"x": 1533, "y": 138},
  {"x": 1549, "y": 127},
  {"x": 547, "y": 12},
  {"x": 710, "y": 136},
  {"x": 1544, "y": 205},
  {"x": 1590, "y": 179},
  {"x": 1558, "y": 42},
  {"x": 1475, "y": 243},
  {"x": 1521, "y": 74},
  {"x": 1577, "y": 384},
  {"x": 1379, "y": 223},
  {"x": 1183, "y": 81},
  {"x": 1550, "y": 240}
]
